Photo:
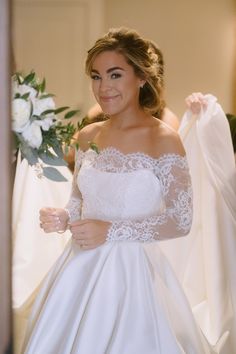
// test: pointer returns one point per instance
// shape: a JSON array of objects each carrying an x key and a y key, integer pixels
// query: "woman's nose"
[{"x": 105, "y": 84}]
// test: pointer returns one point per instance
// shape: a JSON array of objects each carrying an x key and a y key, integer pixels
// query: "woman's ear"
[{"x": 142, "y": 83}]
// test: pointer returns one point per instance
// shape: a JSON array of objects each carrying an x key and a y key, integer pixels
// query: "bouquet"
[{"x": 39, "y": 134}]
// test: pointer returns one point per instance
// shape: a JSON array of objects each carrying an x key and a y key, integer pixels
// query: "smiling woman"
[
  {"x": 114, "y": 83},
  {"x": 132, "y": 193}
]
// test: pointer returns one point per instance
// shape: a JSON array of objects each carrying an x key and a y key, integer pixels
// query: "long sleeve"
[
  {"x": 176, "y": 217},
  {"x": 73, "y": 207}
]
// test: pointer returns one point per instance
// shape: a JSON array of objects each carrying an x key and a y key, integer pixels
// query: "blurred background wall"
[{"x": 198, "y": 39}]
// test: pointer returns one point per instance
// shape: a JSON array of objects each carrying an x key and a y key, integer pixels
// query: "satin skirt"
[{"x": 118, "y": 298}]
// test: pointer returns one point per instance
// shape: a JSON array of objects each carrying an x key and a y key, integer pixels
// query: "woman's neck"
[{"x": 129, "y": 119}]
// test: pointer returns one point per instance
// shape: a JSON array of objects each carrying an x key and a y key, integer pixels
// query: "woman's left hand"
[{"x": 89, "y": 233}]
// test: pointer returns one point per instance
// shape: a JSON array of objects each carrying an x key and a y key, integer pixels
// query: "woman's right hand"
[
  {"x": 195, "y": 102},
  {"x": 53, "y": 219}
]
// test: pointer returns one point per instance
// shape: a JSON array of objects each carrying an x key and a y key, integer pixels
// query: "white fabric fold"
[
  {"x": 205, "y": 260},
  {"x": 34, "y": 252}
]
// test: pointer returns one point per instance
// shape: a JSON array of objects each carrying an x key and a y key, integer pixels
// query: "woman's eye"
[
  {"x": 95, "y": 77},
  {"x": 115, "y": 75}
]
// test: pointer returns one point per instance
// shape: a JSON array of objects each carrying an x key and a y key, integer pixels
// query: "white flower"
[
  {"x": 46, "y": 123},
  {"x": 22, "y": 89},
  {"x": 33, "y": 135},
  {"x": 39, "y": 106},
  {"x": 21, "y": 110}
]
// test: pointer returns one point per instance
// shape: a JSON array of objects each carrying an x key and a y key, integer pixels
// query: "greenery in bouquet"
[{"x": 40, "y": 135}]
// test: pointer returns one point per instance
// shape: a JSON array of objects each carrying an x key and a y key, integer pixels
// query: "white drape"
[
  {"x": 205, "y": 260},
  {"x": 34, "y": 252}
]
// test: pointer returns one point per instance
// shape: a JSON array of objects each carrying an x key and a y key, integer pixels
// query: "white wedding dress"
[{"x": 121, "y": 297}]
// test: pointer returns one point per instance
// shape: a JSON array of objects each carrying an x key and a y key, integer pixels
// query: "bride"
[{"x": 112, "y": 290}]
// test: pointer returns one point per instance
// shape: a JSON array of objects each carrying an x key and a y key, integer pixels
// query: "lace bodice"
[{"x": 144, "y": 198}]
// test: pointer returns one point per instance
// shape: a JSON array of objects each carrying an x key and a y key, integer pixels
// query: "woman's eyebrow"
[
  {"x": 108, "y": 70},
  {"x": 114, "y": 68}
]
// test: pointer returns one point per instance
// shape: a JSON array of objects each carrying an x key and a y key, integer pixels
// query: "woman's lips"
[{"x": 107, "y": 98}]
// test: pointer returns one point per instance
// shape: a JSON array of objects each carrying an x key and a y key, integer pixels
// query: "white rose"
[
  {"x": 22, "y": 89},
  {"x": 39, "y": 106},
  {"x": 21, "y": 110},
  {"x": 45, "y": 123},
  {"x": 33, "y": 135}
]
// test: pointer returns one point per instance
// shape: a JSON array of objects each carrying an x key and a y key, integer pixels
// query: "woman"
[
  {"x": 112, "y": 290},
  {"x": 95, "y": 113}
]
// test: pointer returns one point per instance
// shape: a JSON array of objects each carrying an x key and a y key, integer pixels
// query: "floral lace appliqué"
[{"x": 173, "y": 174}]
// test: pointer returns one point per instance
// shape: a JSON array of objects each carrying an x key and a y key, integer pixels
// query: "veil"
[{"x": 204, "y": 261}]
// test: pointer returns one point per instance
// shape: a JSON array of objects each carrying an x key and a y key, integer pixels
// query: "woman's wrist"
[
  {"x": 66, "y": 222},
  {"x": 68, "y": 214}
]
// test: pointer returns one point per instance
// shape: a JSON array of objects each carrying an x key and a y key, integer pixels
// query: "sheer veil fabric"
[{"x": 205, "y": 260}]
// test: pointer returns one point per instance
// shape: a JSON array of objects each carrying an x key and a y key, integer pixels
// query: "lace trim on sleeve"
[
  {"x": 176, "y": 219},
  {"x": 73, "y": 207}
]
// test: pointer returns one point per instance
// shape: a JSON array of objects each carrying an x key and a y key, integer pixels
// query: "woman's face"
[{"x": 114, "y": 83}]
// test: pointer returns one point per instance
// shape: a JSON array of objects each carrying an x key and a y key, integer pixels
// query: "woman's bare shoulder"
[
  {"x": 87, "y": 135},
  {"x": 167, "y": 140},
  {"x": 170, "y": 119}
]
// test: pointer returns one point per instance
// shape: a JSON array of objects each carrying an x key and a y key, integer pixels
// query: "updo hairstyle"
[{"x": 140, "y": 54}]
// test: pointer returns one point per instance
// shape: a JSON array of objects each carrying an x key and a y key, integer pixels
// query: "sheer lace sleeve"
[
  {"x": 176, "y": 217},
  {"x": 73, "y": 207}
]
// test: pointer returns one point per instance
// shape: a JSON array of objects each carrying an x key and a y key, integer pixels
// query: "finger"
[
  {"x": 80, "y": 222},
  {"x": 51, "y": 227},
  {"x": 82, "y": 244},
  {"x": 46, "y": 211},
  {"x": 78, "y": 236},
  {"x": 48, "y": 219},
  {"x": 188, "y": 101},
  {"x": 77, "y": 229}
]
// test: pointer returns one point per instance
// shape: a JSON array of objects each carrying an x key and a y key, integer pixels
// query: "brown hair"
[
  {"x": 157, "y": 56},
  {"x": 137, "y": 52}
]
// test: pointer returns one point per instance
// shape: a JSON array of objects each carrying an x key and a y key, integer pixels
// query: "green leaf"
[
  {"x": 29, "y": 78},
  {"x": 85, "y": 121},
  {"x": 19, "y": 78},
  {"x": 44, "y": 113},
  {"x": 52, "y": 160},
  {"x": 46, "y": 96},
  {"x": 53, "y": 174},
  {"x": 94, "y": 147},
  {"x": 58, "y": 150},
  {"x": 61, "y": 109},
  {"x": 17, "y": 95},
  {"x": 35, "y": 117},
  {"x": 43, "y": 85},
  {"x": 29, "y": 153},
  {"x": 71, "y": 114},
  {"x": 25, "y": 96}
]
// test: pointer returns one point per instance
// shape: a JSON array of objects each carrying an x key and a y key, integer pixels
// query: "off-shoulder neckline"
[{"x": 113, "y": 150}]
